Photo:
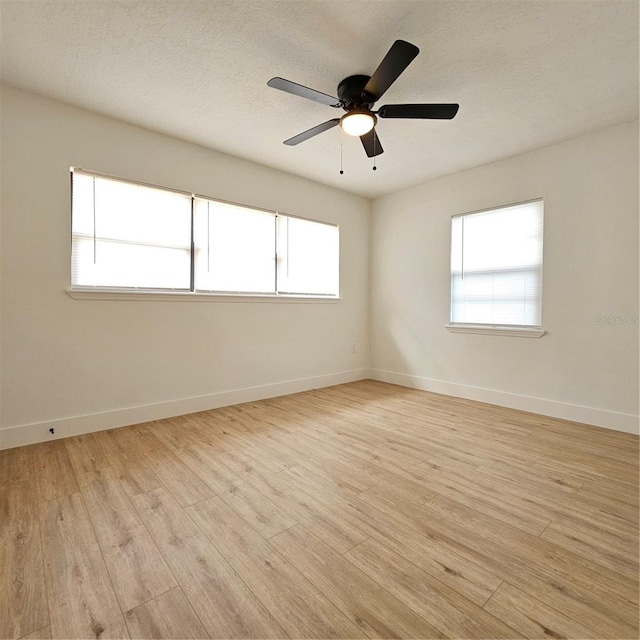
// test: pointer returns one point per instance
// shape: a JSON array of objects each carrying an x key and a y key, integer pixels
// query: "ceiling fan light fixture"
[{"x": 357, "y": 123}]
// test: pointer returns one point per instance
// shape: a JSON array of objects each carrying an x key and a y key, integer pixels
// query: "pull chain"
[
  {"x": 374, "y": 149},
  {"x": 341, "y": 137}
]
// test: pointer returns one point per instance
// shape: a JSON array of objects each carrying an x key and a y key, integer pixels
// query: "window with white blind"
[
  {"x": 128, "y": 237},
  {"x": 308, "y": 257},
  {"x": 234, "y": 248},
  {"x": 496, "y": 267}
]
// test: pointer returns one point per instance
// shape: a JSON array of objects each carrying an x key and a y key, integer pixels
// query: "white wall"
[
  {"x": 81, "y": 365},
  {"x": 63, "y": 358},
  {"x": 581, "y": 369}
]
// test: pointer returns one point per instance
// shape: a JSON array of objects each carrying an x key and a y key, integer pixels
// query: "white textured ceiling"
[{"x": 526, "y": 74}]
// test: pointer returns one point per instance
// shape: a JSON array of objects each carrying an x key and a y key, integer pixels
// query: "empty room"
[{"x": 263, "y": 379}]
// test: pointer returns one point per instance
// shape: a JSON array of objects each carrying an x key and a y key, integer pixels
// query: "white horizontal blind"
[
  {"x": 126, "y": 235},
  {"x": 235, "y": 248},
  {"x": 496, "y": 266},
  {"x": 308, "y": 257}
]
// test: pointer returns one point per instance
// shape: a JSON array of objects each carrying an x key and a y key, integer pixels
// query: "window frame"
[
  {"x": 83, "y": 292},
  {"x": 522, "y": 331}
]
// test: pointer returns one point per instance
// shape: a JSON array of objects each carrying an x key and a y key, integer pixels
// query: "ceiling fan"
[{"x": 357, "y": 95}]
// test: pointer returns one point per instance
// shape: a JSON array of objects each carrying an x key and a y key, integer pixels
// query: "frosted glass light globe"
[{"x": 357, "y": 123}]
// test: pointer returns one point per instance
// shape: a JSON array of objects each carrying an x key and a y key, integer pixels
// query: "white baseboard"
[
  {"x": 65, "y": 427},
  {"x": 576, "y": 413}
]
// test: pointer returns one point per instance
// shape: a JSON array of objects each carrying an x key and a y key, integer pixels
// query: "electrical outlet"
[{"x": 353, "y": 347}]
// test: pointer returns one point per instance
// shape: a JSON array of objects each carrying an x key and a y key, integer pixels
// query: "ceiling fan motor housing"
[{"x": 352, "y": 95}]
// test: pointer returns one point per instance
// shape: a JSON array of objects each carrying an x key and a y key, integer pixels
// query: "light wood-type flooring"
[{"x": 363, "y": 510}]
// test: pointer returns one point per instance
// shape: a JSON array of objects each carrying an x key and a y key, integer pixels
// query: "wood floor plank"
[
  {"x": 300, "y": 609},
  {"x": 127, "y": 460},
  {"x": 137, "y": 569},
  {"x": 613, "y": 508},
  {"x": 23, "y": 597},
  {"x": 626, "y": 493},
  {"x": 365, "y": 602},
  {"x": 600, "y": 547},
  {"x": 231, "y": 418},
  {"x": 16, "y": 465},
  {"x": 339, "y": 472},
  {"x": 373, "y": 452},
  {"x": 443, "y": 607},
  {"x": 532, "y": 618},
  {"x": 439, "y": 556},
  {"x": 203, "y": 462},
  {"x": 492, "y": 447},
  {"x": 86, "y": 453},
  {"x": 217, "y": 431},
  {"x": 591, "y": 443},
  {"x": 523, "y": 507},
  {"x": 327, "y": 460},
  {"x": 300, "y": 476},
  {"x": 454, "y": 466},
  {"x": 343, "y": 470},
  {"x": 196, "y": 429},
  {"x": 176, "y": 433},
  {"x": 569, "y": 470},
  {"x": 547, "y": 558},
  {"x": 256, "y": 510},
  {"x": 589, "y": 467},
  {"x": 185, "y": 485},
  {"x": 274, "y": 457},
  {"x": 41, "y": 634},
  {"x": 53, "y": 471},
  {"x": 219, "y": 597},
  {"x": 517, "y": 511},
  {"x": 434, "y": 447},
  {"x": 167, "y": 616},
  {"x": 81, "y": 598},
  {"x": 519, "y": 475},
  {"x": 431, "y": 553},
  {"x": 339, "y": 533},
  {"x": 519, "y": 559}
]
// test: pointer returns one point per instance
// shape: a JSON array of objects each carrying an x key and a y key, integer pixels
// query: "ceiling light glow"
[{"x": 357, "y": 123}]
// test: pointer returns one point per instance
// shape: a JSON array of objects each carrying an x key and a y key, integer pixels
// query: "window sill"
[
  {"x": 493, "y": 330},
  {"x": 183, "y": 296}
]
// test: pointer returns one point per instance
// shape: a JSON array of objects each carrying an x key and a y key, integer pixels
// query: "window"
[
  {"x": 307, "y": 256},
  {"x": 128, "y": 235},
  {"x": 133, "y": 237},
  {"x": 235, "y": 248},
  {"x": 496, "y": 267}
]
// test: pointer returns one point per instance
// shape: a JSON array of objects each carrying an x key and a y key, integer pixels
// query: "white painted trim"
[
  {"x": 65, "y": 427},
  {"x": 489, "y": 330},
  {"x": 79, "y": 293},
  {"x": 576, "y": 413}
]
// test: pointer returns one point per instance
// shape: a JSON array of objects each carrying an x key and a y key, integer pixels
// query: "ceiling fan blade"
[
  {"x": 371, "y": 143},
  {"x": 303, "y": 92},
  {"x": 394, "y": 63},
  {"x": 423, "y": 111},
  {"x": 314, "y": 131}
]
